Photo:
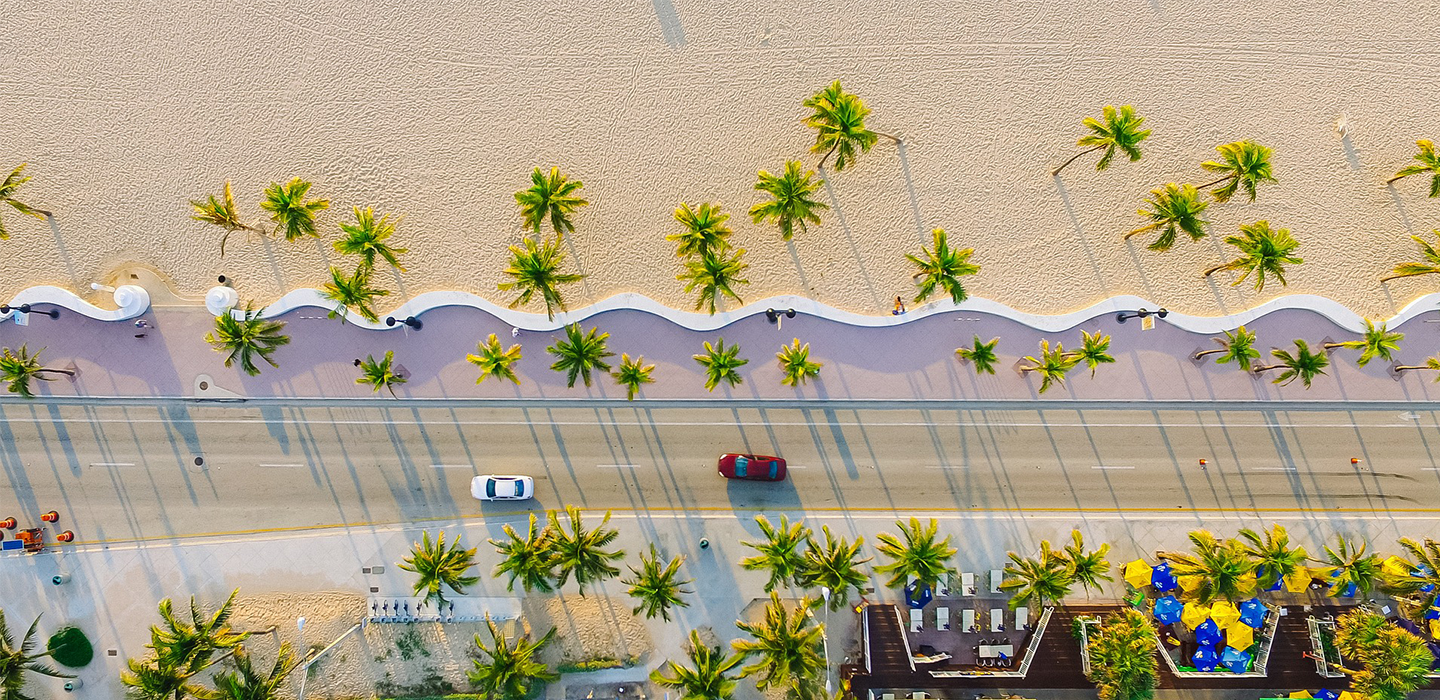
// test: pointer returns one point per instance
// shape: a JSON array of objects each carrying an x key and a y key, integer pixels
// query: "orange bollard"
[
  {"x": 51, "y": 517},
  {"x": 1354, "y": 460},
  {"x": 66, "y": 536},
  {"x": 8, "y": 523}
]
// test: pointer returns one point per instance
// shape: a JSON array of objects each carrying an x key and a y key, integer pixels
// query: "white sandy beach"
[{"x": 438, "y": 112}]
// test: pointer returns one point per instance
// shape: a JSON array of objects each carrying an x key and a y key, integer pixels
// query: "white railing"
[
  {"x": 1267, "y": 639},
  {"x": 305, "y": 665},
  {"x": 1085, "y": 624},
  {"x": 1323, "y": 667}
]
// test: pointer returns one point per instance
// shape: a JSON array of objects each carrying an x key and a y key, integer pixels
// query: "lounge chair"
[
  {"x": 996, "y": 576},
  {"x": 967, "y": 620},
  {"x": 997, "y": 620},
  {"x": 917, "y": 620},
  {"x": 942, "y": 618}
]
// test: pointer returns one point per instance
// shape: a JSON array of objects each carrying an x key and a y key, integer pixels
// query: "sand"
[{"x": 439, "y": 111}]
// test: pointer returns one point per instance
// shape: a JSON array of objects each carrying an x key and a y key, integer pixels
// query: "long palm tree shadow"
[
  {"x": 800, "y": 269},
  {"x": 1140, "y": 269},
  {"x": 1351, "y": 155},
  {"x": 1400, "y": 207},
  {"x": 579, "y": 267},
  {"x": 274, "y": 263},
  {"x": 1080, "y": 235},
  {"x": 910, "y": 188},
  {"x": 63, "y": 251},
  {"x": 850, "y": 238}
]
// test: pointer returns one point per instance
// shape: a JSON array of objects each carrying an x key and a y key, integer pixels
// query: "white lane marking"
[
  {"x": 796, "y": 466},
  {"x": 1108, "y": 466},
  {"x": 452, "y": 466},
  {"x": 946, "y": 466},
  {"x": 618, "y": 466},
  {"x": 283, "y": 466},
  {"x": 112, "y": 464},
  {"x": 1430, "y": 469},
  {"x": 1271, "y": 469}
]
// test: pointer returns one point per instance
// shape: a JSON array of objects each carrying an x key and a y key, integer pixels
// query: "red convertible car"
[{"x": 752, "y": 467}]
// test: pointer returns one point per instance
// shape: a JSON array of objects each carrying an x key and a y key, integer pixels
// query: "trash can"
[
  {"x": 72, "y": 685},
  {"x": 58, "y": 579}
]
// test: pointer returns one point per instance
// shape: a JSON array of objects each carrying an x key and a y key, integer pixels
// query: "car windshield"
[
  {"x": 741, "y": 463},
  {"x": 490, "y": 488}
]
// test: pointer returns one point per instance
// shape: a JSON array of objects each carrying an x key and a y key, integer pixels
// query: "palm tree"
[
  {"x": 1394, "y": 661},
  {"x": 713, "y": 274},
  {"x": 780, "y": 553},
  {"x": 920, "y": 556},
  {"x": 580, "y": 552},
  {"x": 495, "y": 361},
  {"x": 1119, "y": 132},
  {"x": 353, "y": 292},
  {"x": 535, "y": 268},
  {"x": 15, "y": 661},
  {"x": 1273, "y": 556},
  {"x": 220, "y": 212},
  {"x": 1221, "y": 565},
  {"x": 190, "y": 645},
  {"x": 720, "y": 364},
  {"x": 1122, "y": 657},
  {"x": 12, "y": 183},
  {"x": 512, "y": 671},
  {"x": 1351, "y": 570},
  {"x": 366, "y": 238},
  {"x": 941, "y": 268},
  {"x": 293, "y": 214},
  {"x": 245, "y": 683},
  {"x": 795, "y": 363},
  {"x": 1245, "y": 164},
  {"x": 793, "y": 200},
  {"x": 1034, "y": 581},
  {"x": 1094, "y": 351},
  {"x": 1431, "y": 363},
  {"x": 552, "y": 196},
  {"x": 705, "y": 230},
  {"x": 1237, "y": 347},
  {"x": 631, "y": 374},
  {"x": 380, "y": 375},
  {"x": 529, "y": 559},
  {"x": 1172, "y": 209},
  {"x": 834, "y": 567},
  {"x": 439, "y": 567},
  {"x": 1415, "y": 269},
  {"x": 247, "y": 338},
  {"x": 1428, "y": 162},
  {"x": 1303, "y": 364},
  {"x": 1085, "y": 567},
  {"x": 706, "y": 678},
  {"x": 1262, "y": 251},
  {"x": 981, "y": 356},
  {"x": 788, "y": 648},
  {"x": 838, "y": 118},
  {"x": 17, "y": 369},
  {"x": 151, "y": 680},
  {"x": 1420, "y": 585},
  {"x": 1052, "y": 364},
  {"x": 657, "y": 585},
  {"x": 1378, "y": 342},
  {"x": 580, "y": 353}
]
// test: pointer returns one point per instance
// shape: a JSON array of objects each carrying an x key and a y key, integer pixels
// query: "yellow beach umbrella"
[
  {"x": 1395, "y": 566},
  {"x": 1247, "y": 582},
  {"x": 1194, "y": 614},
  {"x": 1240, "y": 636},
  {"x": 1347, "y": 695},
  {"x": 1137, "y": 573},
  {"x": 1190, "y": 584},
  {"x": 1298, "y": 580},
  {"x": 1435, "y": 629},
  {"x": 1301, "y": 694},
  {"x": 1224, "y": 613}
]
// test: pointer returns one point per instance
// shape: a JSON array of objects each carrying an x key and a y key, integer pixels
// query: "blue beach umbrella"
[
  {"x": 1208, "y": 633},
  {"x": 1237, "y": 661},
  {"x": 1252, "y": 612},
  {"x": 1433, "y": 613},
  {"x": 1168, "y": 609},
  {"x": 1325, "y": 694},
  {"x": 1162, "y": 579},
  {"x": 917, "y": 596},
  {"x": 1206, "y": 659}
]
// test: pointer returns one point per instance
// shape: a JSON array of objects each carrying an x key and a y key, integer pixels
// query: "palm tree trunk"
[
  {"x": 1331, "y": 346},
  {"x": 826, "y": 157},
  {"x": 1387, "y": 278},
  {"x": 1216, "y": 269},
  {"x": 1407, "y": 368},
  {"x": 1141, "y": 230},
  {"x": 1257, "y": 369},
  {"x": 896, "y": 139},
  {"x": 66, "y": 372},
  {"x": 1216, "y": 182},
  {"x": 1056, "y": 171},
  {"x": 1397, "y": 177},
  {"x": 1207, "y": 353}
]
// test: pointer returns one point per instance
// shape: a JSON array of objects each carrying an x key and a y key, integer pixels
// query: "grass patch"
[
  {"x": 70, "y": 647},
  {"x": 598, "y": 663}
]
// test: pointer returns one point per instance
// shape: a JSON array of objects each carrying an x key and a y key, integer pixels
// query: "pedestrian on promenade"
[
  {"x": 140, "y": 325},
  {"x": 899, "y": 307}
]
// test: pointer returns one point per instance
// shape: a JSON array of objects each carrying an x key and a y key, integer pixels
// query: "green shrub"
[
  {"x": 69, "y": 647},
  {"x": 598, "y": 663}
]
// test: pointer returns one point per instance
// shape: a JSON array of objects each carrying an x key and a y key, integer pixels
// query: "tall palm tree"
[
  {"x": 367, "y": 238},
  {"x": 580, "y": 353},
  {"x": 1051, "y": 364},
  {"x": 190, "y": 645},
  {"x": 714, "y": 275},
  {"x": 786, "y": 647},
  {"x": 632, "y": 373},
  {"x": 1302, "y": 364},
  {"x": 1085, "y": 567},
  {"x": 246, "y": 683},
  {"x": 792, "y": 204},
  {"x": 838, "y": 118},
  {"x": 1173, "y": 209},
  {"x": 535, "y": 269},
  {"x": 512, "y": 670},
  {"x": 1245, "y": 164},
  {"x": 657, "y": 586},
  {"x": 706, "y": 678},
  {"x": 721, "y": 364},
  {"x": 1220, "y": 565},
  {"x": 1237, "y": 347},
  {"x": 920, "y": 556},
  {"x": 1122, "y": 657},
  {"x": 941, "y": 268},
  {"x": 1119, "y": 132},
  {"x": 1420, "y": 584},
  {"x": 150, "y": 679},
  {"x": 16, "y": 661},
  {"x": 221, "y": 212},
  {"x": 290, "y": 211},
  {"x": 779, "y": 553},
  {"x": 494, "y": 361},
  {"x": 1262, "y": 251},
  {"x": 553, "y": 196},
  {"x": 1431, "y": 363},
  {"x": 1395, "y": 662},
  {"x": 1349, "y": 565},
  {"x": 440, "y": 567},
  {"x": 353, "y": 292},
  {"x": 529, "y": 559},
  {"x": 1378, "y": 342},
  {"x": 8, "y": 188},
  {"x": 834, "y": 566},
  {"x": 1094, "y": 351},
  {"x": 1034, "y": 581},
  {"x": 247, "y": 338},
  {"x": 1427, "y": 162},
  {"x": 705, "y": 230},
  {"x": 18, "y": 369},
  {"x": 581, "y": 553},
  {"x": 380, "y": 375},
  {"x": 1430, "y": 266},
  {"x": 981, "y": 355},
  {"x": 795, "y": 363},
  {"x": 1272, "y": 554}
]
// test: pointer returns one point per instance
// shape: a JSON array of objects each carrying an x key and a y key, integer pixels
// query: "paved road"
[{"x": 127, "y": 471}]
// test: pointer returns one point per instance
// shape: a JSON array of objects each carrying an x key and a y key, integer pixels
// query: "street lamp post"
[
  {"x": 410, "y": 321},
  {"x": 1123, "y": 316},
  {"x": 825, "y": 638},
  {"x": 26, "y": 309}
]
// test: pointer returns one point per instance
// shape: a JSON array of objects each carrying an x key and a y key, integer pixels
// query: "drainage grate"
[
  {"x": 112, "y": 652},
  {"x": 377, "y": 570},
  {"x": 374, "y": 589},
  {"x": 364, "y": 569}
]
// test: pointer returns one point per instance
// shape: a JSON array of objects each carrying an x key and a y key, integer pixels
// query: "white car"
[{"x": 498, "y": 487}]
